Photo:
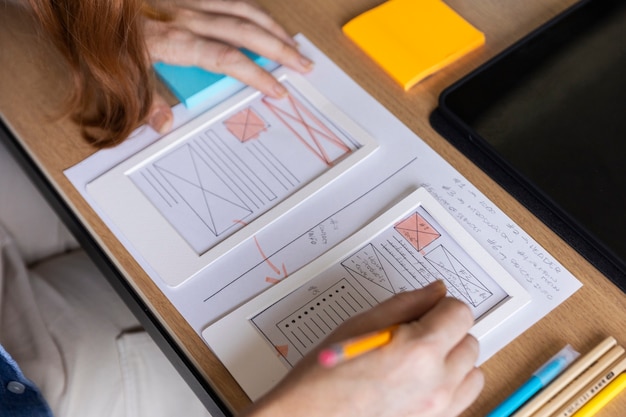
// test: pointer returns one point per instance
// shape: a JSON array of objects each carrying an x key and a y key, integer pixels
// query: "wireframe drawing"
[
  {"x": 241, "y": 165},
  {"x": 314, "y": 135},
  {"x": 417, "y": 231},
  {"x": 245, "y": 125},
  {"x": 460, "y": 280},
  {"x": 315, "y": 320},
  {"x": 226, "y": 176},
  {"x": 412, "y": 253},
  {"x": 415, "y": 241}
]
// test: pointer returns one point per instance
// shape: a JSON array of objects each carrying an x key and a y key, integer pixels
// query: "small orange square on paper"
[{"x": 411, "y": 39}]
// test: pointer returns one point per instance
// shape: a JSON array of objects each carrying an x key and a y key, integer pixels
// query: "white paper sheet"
[{"x": 402, "y": 163}]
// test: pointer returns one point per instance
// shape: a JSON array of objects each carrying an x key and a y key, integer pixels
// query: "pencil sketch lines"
[
  {"x": 202, "y": 189},
  {"x": 407, "y": 263},
  {"x": 308, "y": 128},
  {"x": 313, "y": 321},
  {"x": 394, "y": 265},
  {"x": 282, "y": 350},
  {"x": 417, "y": 231},
  {"x": 460, "y": 280},
  {"x": 242, "y": 173},
  {"x": 245, "y": 125},
  {"x": 367, "y": 263},
  {"x": 273, "y": 166},
  {"x": 278, "y": 274}
]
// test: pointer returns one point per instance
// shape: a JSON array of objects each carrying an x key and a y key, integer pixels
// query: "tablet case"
[{"x": 530, "y": 196}]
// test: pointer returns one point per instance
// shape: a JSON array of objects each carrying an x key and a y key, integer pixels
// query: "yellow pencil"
[
  {"x": 603, "y": 397},
  {"x": 354, "y": 347}
]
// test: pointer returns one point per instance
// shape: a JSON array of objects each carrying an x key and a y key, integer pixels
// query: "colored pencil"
[
  {"x": 569, "y": 375},
  {"x": 603, "y": 397},
  {"x": 588, "y": 375},
  {"x": 540, "y": 379},
  {"x": 355, "y": 347},
  {"x": 593, "y": 388}
]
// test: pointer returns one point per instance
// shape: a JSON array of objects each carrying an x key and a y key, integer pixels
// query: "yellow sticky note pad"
[{"x": 411, "y": 39}]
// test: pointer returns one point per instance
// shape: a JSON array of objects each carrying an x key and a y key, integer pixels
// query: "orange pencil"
[{"x": 354, "y": 347}]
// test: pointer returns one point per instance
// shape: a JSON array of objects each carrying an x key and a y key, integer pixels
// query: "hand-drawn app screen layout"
[
  {"x": 213, "y": 183},
  {"x": 241, "y": 165},
  {"x": 413, "y": 253}
]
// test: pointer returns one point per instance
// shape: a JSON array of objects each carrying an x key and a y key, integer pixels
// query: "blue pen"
[{"x": 540, "y": 378}]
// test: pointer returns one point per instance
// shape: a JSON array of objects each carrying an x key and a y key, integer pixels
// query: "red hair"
[{"x": 103, "y": 43}]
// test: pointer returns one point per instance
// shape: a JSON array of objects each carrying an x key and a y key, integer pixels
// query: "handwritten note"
[{"x": 507, "y": 242}]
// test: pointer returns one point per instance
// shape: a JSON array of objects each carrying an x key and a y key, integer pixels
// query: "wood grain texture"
[{"x": 32, "y": 83}]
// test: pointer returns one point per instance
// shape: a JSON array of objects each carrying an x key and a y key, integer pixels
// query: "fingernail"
[
  {"x": 280, "y": 90},
  {"x": 438, "y": 285},
  {"x": 161, "y": 121},
  {"x": 306, "y": 63}
]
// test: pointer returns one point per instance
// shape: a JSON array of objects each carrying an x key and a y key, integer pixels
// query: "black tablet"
[{"x": 547, "y": 119}]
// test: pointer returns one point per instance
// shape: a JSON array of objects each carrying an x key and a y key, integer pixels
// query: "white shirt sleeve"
[
  {"x": 27, "y": 216},
  {"x": 65, "y": 326}
]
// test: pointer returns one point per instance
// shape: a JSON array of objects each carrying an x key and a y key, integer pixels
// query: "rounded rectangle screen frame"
[{"x": 177, "y": 261}]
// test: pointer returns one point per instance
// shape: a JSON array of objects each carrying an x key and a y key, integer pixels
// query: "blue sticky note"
[{"x": 194, "y": 85}]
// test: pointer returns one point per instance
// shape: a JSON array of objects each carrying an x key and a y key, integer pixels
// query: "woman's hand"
[
  {"x": 426, "y": 370},
  {"x": 209, "y": 34}
]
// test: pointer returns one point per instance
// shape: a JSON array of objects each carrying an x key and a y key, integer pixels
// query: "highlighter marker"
[{"x": 540, "y": 378}]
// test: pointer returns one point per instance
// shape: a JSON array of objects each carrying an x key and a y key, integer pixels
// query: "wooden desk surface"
[{"x": 32, "y": 82}]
